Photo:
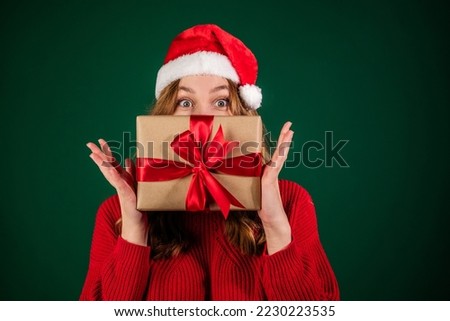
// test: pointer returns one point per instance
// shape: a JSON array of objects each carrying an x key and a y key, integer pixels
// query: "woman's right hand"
[{"x": 134, "y": 222}]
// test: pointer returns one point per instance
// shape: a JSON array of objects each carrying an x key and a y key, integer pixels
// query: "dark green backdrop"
[{"x": 375, "y": 73}]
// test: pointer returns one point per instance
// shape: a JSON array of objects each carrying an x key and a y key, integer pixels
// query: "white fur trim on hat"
[
  {"x": 199, "y": 63},
  {"x": 252, "y": 95}
]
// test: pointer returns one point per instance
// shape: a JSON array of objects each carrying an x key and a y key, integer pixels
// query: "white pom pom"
[{"x": 251, "y": 95}]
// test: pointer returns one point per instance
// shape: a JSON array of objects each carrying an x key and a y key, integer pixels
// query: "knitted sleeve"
[
  {"x": 118, "y": 270},
  {"x": 301, "y": 271}
]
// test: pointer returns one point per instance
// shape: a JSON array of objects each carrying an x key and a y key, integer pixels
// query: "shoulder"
[
  {"x": 297, "y": 201},
  {"x": 109, "y": 210},
  {"x": 299, "y": 208},
  {"x": 292, "y": 192}
]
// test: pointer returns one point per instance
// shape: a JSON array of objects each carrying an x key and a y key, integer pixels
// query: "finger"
[
  {"x": 285, "y": 145},
  {"x": 105, "y": 147},
  {"x": 133, "y": 168},
  {"x": 95, "y": 150},
  {"x": 110, "y": 173},
  {"x": 107, "y": 150},
  {"x": 97, "y": 158},
  {"x": 285, "y": 135},
  {"x": 130, "y": 167},
  {"x": 282, "y": 153},
  {"x": 129, "y": 175},
  {"x": 105, "y": 154},
  {"x": 104, "y": 164},
  {"x": 284, "y": 131},
  {"x": 281, "y": 138}
]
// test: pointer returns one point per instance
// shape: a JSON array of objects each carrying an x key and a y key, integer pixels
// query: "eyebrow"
[
  {"x": 218, "y": 88},
  {"x": 189, "y": 90},
  {"x": 192, "y": 91}
]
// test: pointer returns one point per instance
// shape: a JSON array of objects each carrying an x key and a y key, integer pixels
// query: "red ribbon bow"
[{"x": 204, "y": 157}]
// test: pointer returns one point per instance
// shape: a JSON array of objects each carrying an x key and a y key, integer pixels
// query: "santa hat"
[{"x": 209, "y": 50}]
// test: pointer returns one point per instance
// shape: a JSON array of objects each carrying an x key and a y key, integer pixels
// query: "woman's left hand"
[{"x": 273, "y": 217}]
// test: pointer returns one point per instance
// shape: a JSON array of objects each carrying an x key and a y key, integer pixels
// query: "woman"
[{"x": 271, "y": 254}]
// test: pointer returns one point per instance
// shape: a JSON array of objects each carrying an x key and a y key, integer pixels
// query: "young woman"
[{"x": 271, "y": 254}]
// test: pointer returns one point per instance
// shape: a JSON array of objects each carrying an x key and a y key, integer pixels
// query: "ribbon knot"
[{"x": 198, "y": 168}]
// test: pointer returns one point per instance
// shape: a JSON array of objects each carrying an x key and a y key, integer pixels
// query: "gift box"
[{"x": 194, "y": 163}]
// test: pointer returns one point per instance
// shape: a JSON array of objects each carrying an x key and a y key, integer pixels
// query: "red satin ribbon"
[{"x": 204, "y": 157}]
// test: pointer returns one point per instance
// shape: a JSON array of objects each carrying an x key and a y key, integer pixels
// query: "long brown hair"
[{"x": 243, "y": 229}]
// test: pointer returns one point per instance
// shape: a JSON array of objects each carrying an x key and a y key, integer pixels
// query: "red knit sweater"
[{"x": 212, "y": 269}]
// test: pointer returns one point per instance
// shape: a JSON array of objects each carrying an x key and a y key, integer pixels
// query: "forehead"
[{"x": 203, "y": 82}]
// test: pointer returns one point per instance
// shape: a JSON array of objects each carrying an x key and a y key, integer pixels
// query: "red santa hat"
[{"x": 209, "y": 50}]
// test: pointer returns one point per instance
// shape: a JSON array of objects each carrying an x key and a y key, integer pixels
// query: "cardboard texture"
[{"x": 154, "y": 135}]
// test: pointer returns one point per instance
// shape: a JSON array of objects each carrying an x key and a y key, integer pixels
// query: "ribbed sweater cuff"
[
  {"x": 298, "y": 272},
  {"x": 126, "y": 251},
  {"x": 287, "y": 257},
  {"x": 125, "y": 278},
  {"x": 281, "y": 272}
]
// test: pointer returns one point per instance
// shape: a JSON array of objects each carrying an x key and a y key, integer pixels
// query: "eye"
[
  {"x": 185, "y": 103},
  {"x": 222, "y": 103}
]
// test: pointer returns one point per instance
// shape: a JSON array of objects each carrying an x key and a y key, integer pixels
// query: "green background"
[{"x": 375, "y": 73}]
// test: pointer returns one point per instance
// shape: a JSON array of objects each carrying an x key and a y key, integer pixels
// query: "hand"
[
  {"x": 134, "y": 222},
  {"x": 273, "y": 217}
]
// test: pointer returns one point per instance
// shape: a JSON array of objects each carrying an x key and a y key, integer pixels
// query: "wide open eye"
[
  {"x": 222, "y": 103},
  {"x": 185, "y": 103}
]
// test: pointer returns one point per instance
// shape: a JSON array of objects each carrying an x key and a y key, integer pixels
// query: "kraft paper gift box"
[{"x": 198, "y": 162}]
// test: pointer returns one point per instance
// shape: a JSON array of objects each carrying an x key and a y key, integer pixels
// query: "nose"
[{"x": 201, "y": 109}]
